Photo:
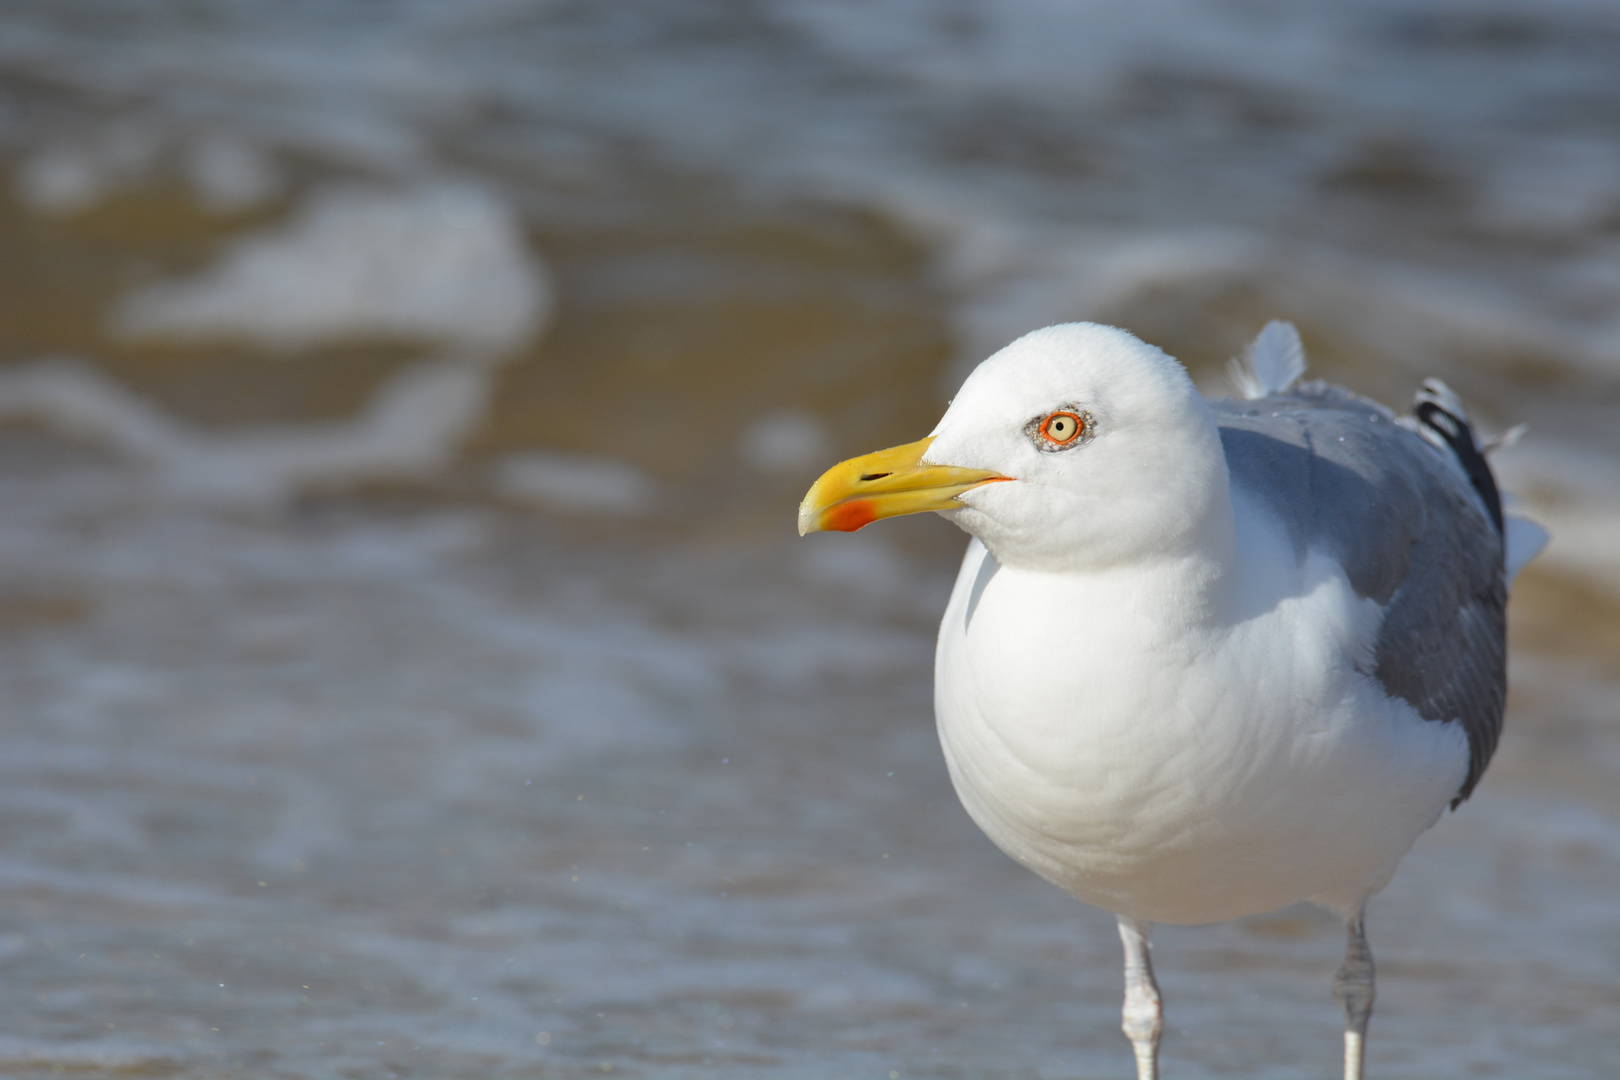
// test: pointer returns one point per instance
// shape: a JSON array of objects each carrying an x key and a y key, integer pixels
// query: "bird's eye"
[{"x": 1062, "y": 428}]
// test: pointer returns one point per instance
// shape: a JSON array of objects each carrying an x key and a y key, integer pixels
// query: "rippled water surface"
[{"x": 407, "y": 666}]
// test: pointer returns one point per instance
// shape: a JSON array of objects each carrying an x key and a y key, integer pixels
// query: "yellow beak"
[{"x": 886, "y": 484}]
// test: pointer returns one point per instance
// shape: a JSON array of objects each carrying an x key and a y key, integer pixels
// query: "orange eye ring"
[{"x": 1062, "y": 428}]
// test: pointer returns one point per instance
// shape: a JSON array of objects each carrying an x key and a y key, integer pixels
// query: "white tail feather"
[
  {"x": 1506, "y": 439},
  {"x": 1522, "y": 540},
  {"x": 1271, "y": 364}
]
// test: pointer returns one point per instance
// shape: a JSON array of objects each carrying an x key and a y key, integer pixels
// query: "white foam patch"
[
  {"x": 60, "y": 181},
  {"x": 787, "y": 441},
  {"x": 411, "y": 428},
  {"x": 575, "y": 483},
  {"x": 1010, "y": 280},
  {"x": 69, "y": 177},
  {"x": 446, "y": 263},
  {"x": 231, "y": 175}
]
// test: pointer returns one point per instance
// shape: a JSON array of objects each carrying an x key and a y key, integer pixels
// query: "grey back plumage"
[{"x": 1411, "y": 532}]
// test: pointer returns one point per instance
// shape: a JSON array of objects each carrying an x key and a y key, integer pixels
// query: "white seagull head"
[{"x": 1075, "y": 447}]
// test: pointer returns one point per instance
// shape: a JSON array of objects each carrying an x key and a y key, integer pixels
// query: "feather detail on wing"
[{"x": 1412, "y": 530}]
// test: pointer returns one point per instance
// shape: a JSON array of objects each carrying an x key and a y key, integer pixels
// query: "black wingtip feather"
[
  {"x": 1443, "y": 420},
  {"x": 1456, "y": 432}
]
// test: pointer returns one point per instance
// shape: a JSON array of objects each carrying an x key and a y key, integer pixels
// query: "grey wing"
[{"x": 1413, "y": 533}]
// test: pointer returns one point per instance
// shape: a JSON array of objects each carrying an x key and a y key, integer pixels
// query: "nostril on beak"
[{"x": 874, "y": 476}]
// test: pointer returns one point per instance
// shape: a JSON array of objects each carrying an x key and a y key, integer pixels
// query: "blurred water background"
[{"x": 407, "y": 664}]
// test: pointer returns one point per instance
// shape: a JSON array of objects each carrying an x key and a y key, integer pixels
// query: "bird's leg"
[
  {"x": 1353, "y": 989},
  {"x": 1144, "y": 1009}
]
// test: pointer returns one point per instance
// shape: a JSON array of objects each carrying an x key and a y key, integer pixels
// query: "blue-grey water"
[{"x": 407, "y": 665}]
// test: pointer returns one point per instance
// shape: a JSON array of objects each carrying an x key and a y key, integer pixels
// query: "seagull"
[{"x": 1205, "y": 658}]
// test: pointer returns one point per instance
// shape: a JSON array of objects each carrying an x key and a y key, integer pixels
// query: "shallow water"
[{"x": 409, "y": 669}]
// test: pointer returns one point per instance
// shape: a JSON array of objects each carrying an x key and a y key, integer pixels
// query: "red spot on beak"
[{"x": 849, "y": 516}]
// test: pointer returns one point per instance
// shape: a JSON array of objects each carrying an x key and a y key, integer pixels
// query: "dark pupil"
[{"x": 1060, "y": 427}]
